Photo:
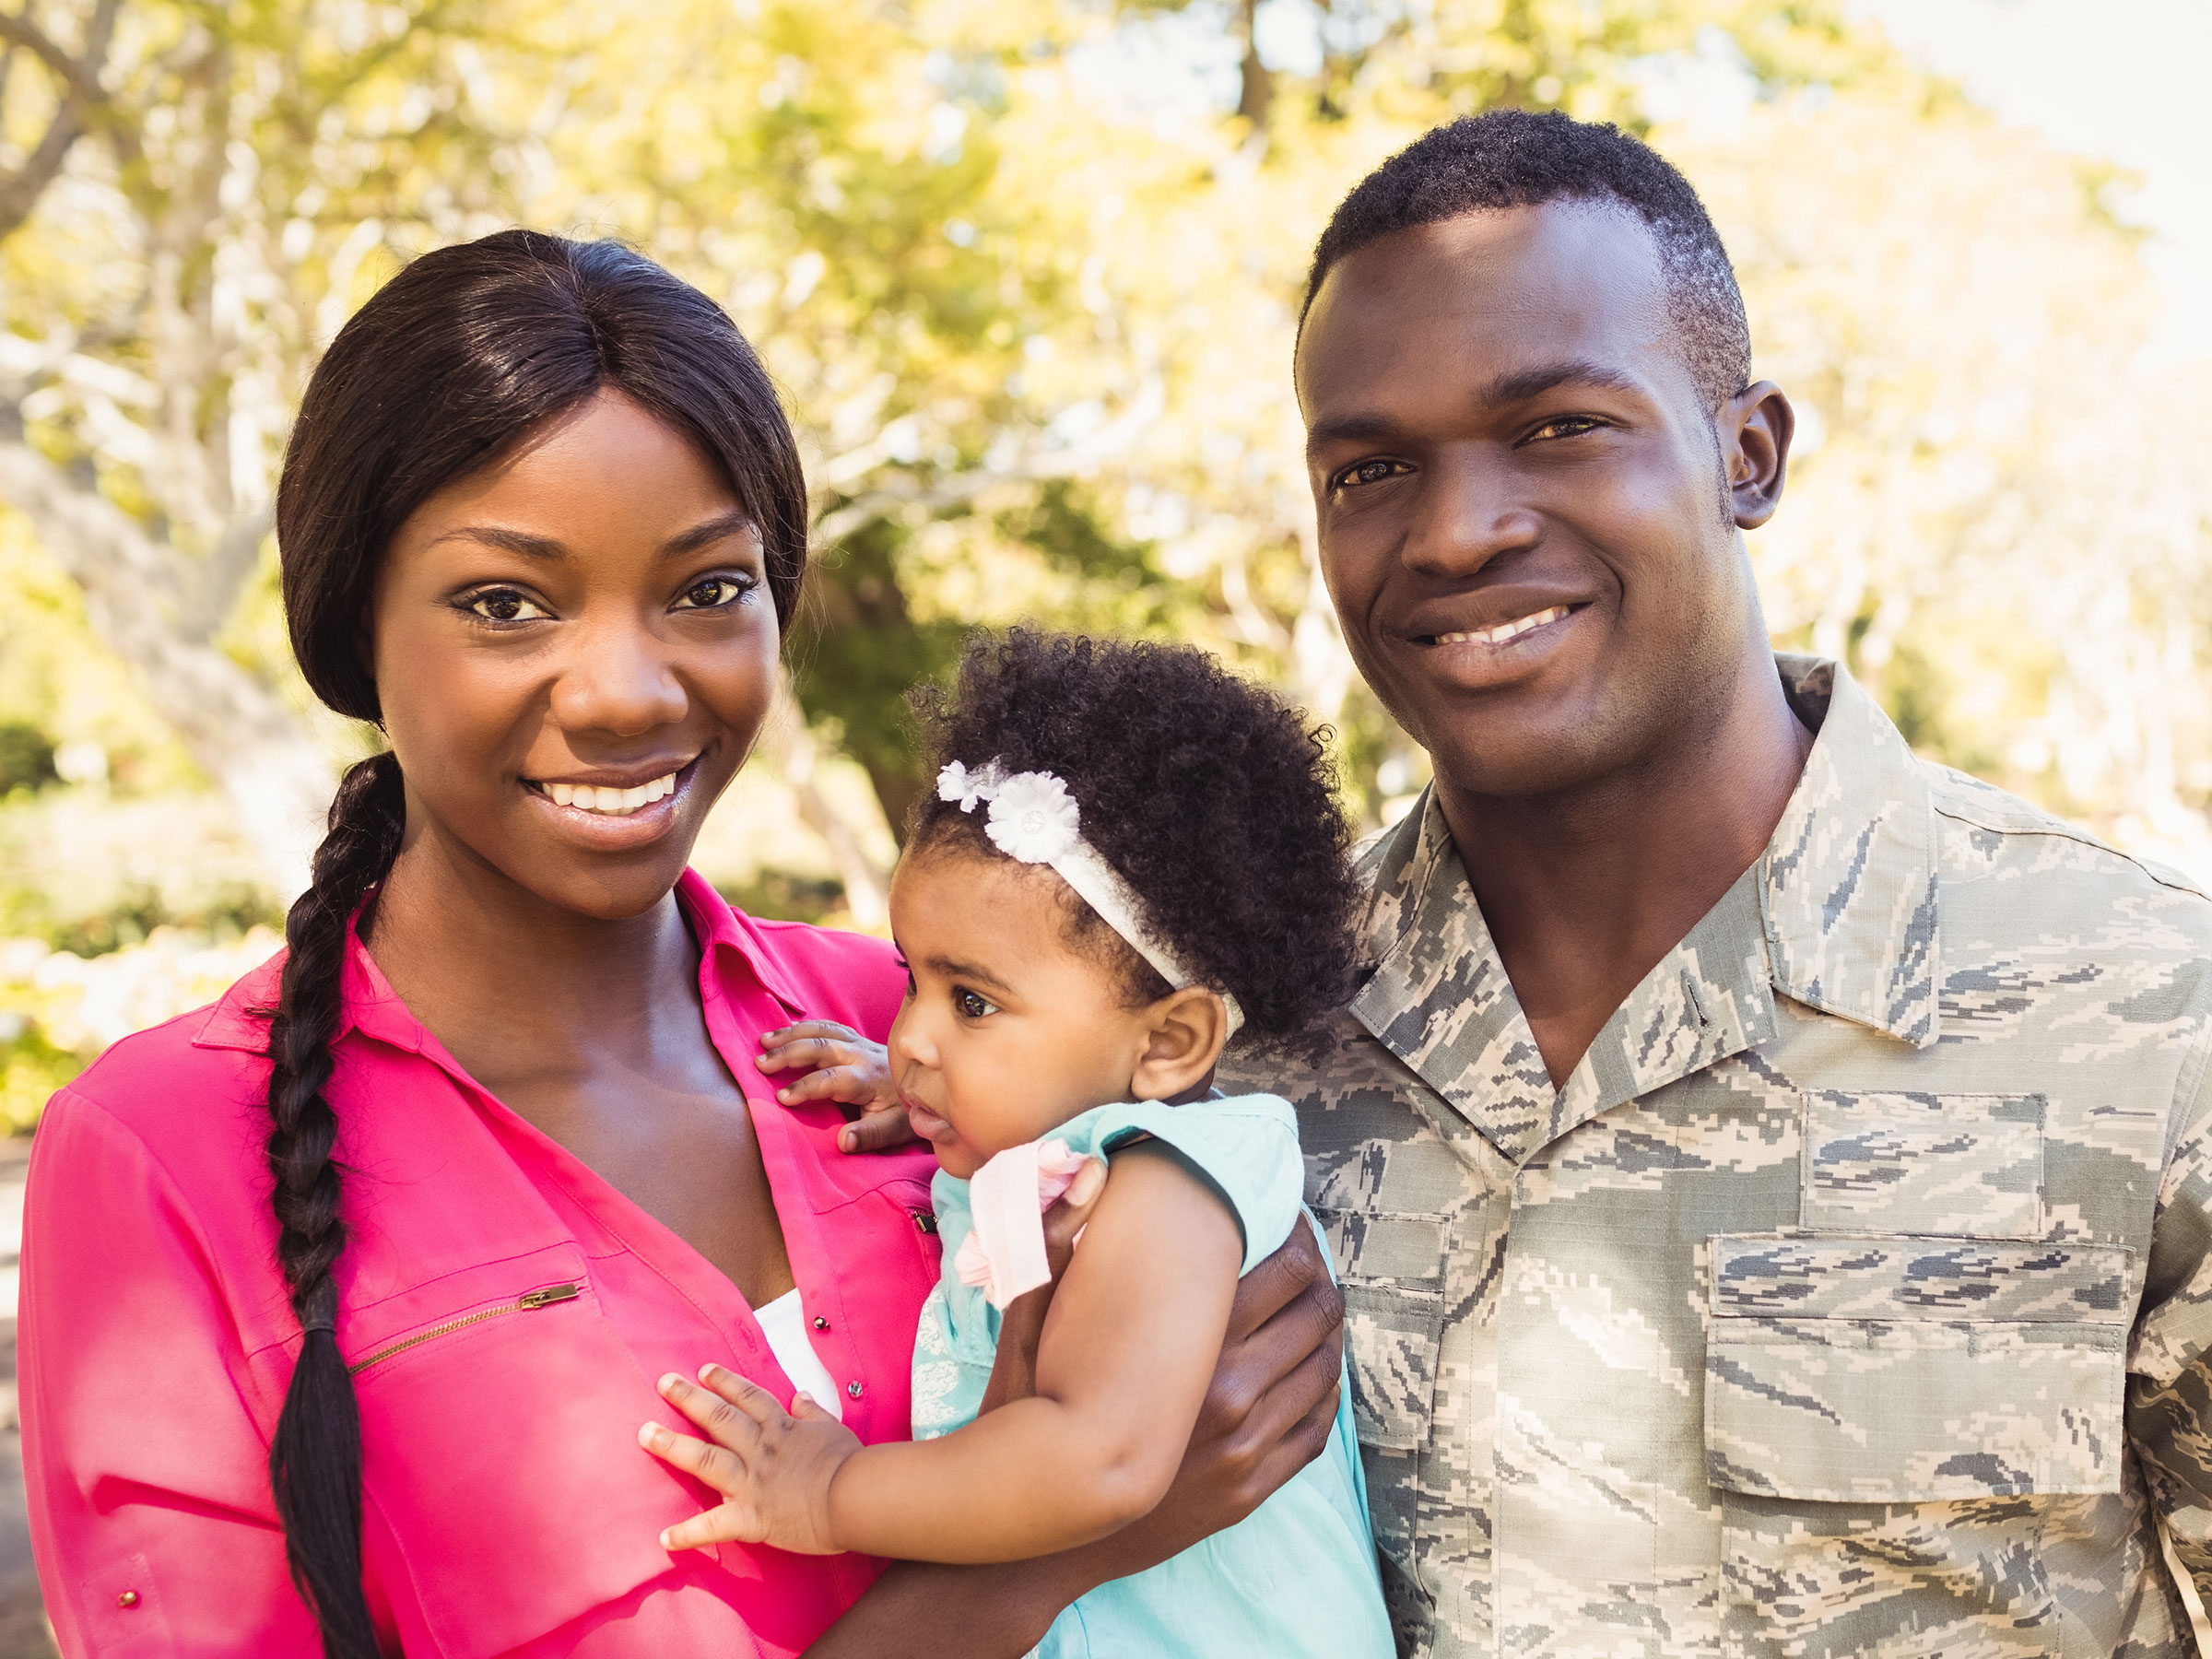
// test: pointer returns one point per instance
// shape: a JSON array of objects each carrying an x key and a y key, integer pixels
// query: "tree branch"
[{"x": 82, "y": 101}]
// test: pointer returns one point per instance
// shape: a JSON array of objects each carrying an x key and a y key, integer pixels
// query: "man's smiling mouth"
[{"x": 1504, "y": 631}]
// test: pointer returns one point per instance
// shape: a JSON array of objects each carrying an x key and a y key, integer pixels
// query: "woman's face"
[{"x": 574, "y": 650}]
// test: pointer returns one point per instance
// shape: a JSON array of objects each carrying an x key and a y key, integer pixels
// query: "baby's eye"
[
  {"x": 712, "y": 593},
  {"x": 503, "y": 604},
  {"x": 973, "y": 1007}
]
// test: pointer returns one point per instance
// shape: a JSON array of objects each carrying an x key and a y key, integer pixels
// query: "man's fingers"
[
  {"x": 1071, "y": 1213},
  {"x": 1277, "y": 1282},
  {"x": 881, "y": 1129}
]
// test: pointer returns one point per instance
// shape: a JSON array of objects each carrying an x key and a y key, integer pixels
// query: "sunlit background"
[{"x": 1027, "y": 271}]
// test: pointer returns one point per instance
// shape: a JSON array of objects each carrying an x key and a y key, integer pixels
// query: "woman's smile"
[{"x": 608, "y": 810}]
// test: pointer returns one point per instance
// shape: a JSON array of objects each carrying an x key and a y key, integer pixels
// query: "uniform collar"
[
  {"x": 1839, "y": 913},
  {"x": 731, "y": 946}
]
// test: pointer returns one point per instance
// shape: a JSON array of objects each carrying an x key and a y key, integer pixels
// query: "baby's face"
[{"x": 1008, "y": 1031}]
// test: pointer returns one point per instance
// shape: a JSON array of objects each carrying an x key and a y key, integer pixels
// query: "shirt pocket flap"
[
  {"x": 1881, "y": 1368},
  {"x": 1390, "y": 1346}
]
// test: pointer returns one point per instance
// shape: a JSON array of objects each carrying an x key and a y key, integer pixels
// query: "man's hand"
[
  {"x": 841, "y": 1066},
  {"x": 1268, "y": 1415},
  {"x": 772, "y": 1467},
  {"x": 1268, "y": 1411}
]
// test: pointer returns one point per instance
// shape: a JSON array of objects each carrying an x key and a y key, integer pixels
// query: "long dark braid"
[
  {"x": 456, "y": 361},
  {"x": 315, "y": 1456}
]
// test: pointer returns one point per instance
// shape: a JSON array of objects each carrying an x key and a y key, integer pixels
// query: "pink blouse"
[{"x": 506, "y": 1311}]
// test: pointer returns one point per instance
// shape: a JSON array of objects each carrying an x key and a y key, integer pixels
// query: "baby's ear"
[{"x": 1186, "y": 1032}]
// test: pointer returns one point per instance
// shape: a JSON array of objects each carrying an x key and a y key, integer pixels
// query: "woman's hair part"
[
  {"x": 453, "y": 363},
  {"x": 1213, "y": 799}
]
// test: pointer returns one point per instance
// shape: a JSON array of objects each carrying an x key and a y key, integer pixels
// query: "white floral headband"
[{"x": 1034, "y": 819}]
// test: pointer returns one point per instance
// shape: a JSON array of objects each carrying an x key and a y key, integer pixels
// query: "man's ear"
[
  {"x": 1186, "y": 1031},
  {"x": 1754, "y": 428}
]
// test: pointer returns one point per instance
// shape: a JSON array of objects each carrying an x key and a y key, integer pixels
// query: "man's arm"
[
  {"x": 1268, "y": 1414},
  {"x": 2169, "y": 1370}
]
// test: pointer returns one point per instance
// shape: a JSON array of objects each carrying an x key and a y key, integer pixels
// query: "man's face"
[{"x": 1526, "y": 509}]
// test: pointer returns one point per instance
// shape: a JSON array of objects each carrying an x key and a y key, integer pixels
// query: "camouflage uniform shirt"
[{"x": 1853, "y": 1297}]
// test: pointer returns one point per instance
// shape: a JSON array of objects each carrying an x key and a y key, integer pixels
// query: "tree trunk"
[{"x": 257, "y": 751}]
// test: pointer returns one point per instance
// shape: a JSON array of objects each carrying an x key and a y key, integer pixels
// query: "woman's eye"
[
  {"x": 1369, "y": 472},
  {"x": 712, "y": 593},
  {"x": 973, "y": 1007},
  {"x": 504, "y": 605}
]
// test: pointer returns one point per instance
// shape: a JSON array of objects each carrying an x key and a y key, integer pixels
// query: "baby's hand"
[
  {"x": 847, "y": 1068},
  {"x": 774, "y": 1466}
]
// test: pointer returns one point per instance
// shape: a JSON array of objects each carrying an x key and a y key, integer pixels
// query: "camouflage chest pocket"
[
  {"x": 1877, "y": 1368},
  {"x": 1390, "y": 1268}
]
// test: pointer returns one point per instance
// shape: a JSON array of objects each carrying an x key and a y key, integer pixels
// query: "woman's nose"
[{"x": 619, "y": 680}]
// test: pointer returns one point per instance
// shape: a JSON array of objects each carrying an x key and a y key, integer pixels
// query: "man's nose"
[
  {"x": 1470, "y": 513},
  {"x": 619, "y": 680}
]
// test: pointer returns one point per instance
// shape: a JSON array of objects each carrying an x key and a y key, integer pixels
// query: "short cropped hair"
[{"x": 1517, "y": 158}]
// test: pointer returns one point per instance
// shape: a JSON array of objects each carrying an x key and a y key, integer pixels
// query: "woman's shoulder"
[{"x": 160, "y": 1080}]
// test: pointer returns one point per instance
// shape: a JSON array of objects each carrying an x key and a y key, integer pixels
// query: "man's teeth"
[
  {"x": 620, "y": 802},
  {"x": 1504, "y": 630}
]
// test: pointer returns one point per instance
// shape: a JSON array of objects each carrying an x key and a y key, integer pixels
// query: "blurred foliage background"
[{"x": 1027, "y": 271}]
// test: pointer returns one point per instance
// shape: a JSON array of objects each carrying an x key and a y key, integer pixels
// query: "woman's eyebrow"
[
  {"x": 510, "y": 541},
  {"x": 719, "y": 528}
]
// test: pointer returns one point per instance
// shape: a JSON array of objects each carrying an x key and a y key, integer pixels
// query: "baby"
[{"x": 1131, "y": 856}]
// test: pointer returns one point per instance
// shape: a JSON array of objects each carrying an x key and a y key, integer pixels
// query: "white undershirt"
[{"x": 784, "y": 1322}]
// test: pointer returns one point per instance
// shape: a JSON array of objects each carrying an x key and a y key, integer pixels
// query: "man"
[{"x": 1768, "y": 1171}]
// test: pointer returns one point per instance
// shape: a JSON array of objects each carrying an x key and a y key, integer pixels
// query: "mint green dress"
[{"x": 1296, "y": 1576}]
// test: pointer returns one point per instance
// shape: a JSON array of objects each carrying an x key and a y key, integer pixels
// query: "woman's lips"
[{"x": 620, "y": 827}]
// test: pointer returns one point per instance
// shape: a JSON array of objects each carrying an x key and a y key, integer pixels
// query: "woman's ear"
[{"x": 1185, "y": 1032}]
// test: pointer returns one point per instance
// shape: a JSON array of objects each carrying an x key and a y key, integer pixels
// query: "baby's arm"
[{"x": 1128, "y": 1348}]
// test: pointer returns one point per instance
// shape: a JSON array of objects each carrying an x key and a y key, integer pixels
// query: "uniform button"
[
  {"x": 852, "y": 1388},
  {"x": 129, "y": 1598},
  {"x": 820, "y": 1323}
]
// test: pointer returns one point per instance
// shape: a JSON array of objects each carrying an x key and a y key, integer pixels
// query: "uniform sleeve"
[
  {"x": 2169, "y": 1367},
  {"x": 145, "y": 1470}
]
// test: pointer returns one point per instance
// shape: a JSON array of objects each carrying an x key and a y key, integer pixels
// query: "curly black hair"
[
  {"x": 1518, "y": 159},
  {"x": 1213, "y": 800}
]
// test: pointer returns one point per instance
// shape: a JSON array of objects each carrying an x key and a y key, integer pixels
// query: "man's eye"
[
  {"x": 713, "y": 593},
  {"x": 1569, "y": 426},
  {"x": 503, "y": 604},
  {"x": 1369, "y": 472},
  {"x": 973, "y": 1007}
]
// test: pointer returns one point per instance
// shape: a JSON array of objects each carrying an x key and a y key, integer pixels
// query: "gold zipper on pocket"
[{"x": 527, "y": 1303}]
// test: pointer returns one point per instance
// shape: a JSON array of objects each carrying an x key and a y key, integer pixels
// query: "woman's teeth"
[
  {"x": 1504, "y": 630},
  {"x": 620, "y": 802}
]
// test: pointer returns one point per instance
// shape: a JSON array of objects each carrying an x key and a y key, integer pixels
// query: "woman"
[{"x": 376, "y": 1261}]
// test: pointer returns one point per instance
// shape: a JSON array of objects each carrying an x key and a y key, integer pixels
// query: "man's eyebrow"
[
  {"x": 1526, "y": 384},
  {"x": 951, "y": 969},
  {"x": 1359, "y": 427},
  {"x": 1362, "y": 426},
  {"x": 735, "y": 522}
]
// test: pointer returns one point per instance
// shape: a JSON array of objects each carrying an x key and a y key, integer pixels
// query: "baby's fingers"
[
  {"x": 808, "y": 1043},
  {"x": 864, "y": 1083},
  {"x": 725, "y": 1524},
  {"x": 729, "y": 1409},
  {"x": 883, "y": 1127},
  {"x": 717, "y": 1465}
]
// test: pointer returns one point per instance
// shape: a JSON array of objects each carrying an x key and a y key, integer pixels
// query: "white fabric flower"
[
  {"x": 956, "y": 783},
  {"x": 1033, "y": 817}
]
